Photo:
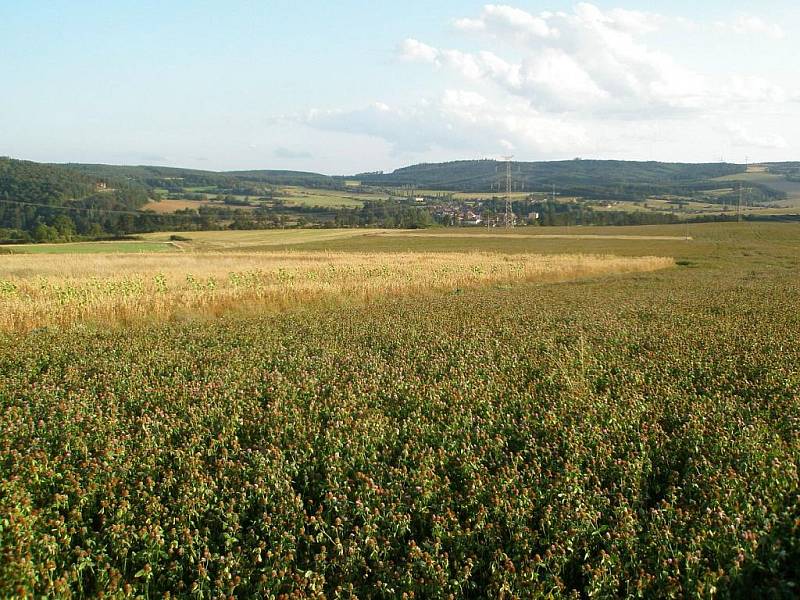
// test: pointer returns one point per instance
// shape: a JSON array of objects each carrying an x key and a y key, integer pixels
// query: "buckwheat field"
[{"x": 390, "y": 417}]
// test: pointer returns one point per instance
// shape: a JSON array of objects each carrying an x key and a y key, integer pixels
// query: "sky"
[{"x": 353, "y": 86}]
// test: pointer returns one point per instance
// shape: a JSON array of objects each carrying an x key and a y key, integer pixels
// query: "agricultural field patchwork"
[
  {"x": 298, "y": 196},
  {"x": 612, "y": 435}
]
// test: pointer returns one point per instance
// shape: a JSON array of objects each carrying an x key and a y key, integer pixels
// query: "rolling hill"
[
  {"x": 483, "y": 175},
  {"x": 88, "y": 201}
]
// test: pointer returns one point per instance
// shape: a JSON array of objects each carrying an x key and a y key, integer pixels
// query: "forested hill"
[
  {"x": 25, "y": 181},
  {"x": 61, "y": 202},
  {"x": 172, "y": 178},
  {"x": 580, "y": 175}
]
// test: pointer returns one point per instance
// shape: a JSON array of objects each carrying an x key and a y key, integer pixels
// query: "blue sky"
[{"x": 354, "y": 86}]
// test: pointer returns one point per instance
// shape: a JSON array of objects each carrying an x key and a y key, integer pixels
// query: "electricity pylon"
[{"x": 509, "y": 217}]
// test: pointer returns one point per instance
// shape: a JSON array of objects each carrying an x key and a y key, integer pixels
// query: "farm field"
[
  {"x": 610, "y": 434},
  {"x": 123, "y": 246},
  {"x": 779, "y": 207},
  {"x": 252, "y": 239},
  {"x": 289, "y": 195},
  {"x": 774, "y": 181},
  {"x": 299, "y": 196},
  {"x": 169, "y": 205},
  {"x": 119, "y": 288},
  {"x": 361, "y": 239}
]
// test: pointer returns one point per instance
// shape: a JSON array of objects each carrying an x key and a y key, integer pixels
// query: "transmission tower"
[
  {"x": 742, "y": 191},
  {"x": 509, "y": 217},
  {"x": 739, "y": 204}
]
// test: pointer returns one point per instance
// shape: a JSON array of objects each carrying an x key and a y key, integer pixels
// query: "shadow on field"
[{"x": 774, "y": 572}]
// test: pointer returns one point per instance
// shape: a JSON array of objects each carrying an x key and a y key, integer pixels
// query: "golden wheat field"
[{"x": 38, "y": 290}]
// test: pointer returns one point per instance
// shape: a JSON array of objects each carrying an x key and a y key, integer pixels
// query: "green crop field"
[
  {"x": 254, "y": 239},
  {"x": 135, "y": 246},
  {"x": 471, "y": 433},
  {"x": 300, "y": 196}
]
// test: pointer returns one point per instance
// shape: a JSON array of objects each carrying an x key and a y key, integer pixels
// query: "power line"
[
  {"x": 509, "y": 216},
  {"x": 63, "y": 207}
]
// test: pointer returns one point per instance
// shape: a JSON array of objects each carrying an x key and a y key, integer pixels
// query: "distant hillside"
[
  {"x": 274, "y": 177},
  {"x": 48, "y": 202},
  {"x": 26, "y": 181},
  {"x": 588, "y": 178},
  {"x": 61, "y": 202},
  {"x": 790, "y": 169},
  {"x": 172, "y": 177}
]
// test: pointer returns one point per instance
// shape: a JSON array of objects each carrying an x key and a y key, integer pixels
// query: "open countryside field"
[
  {"x": 612, "y": 435},
  {"x": 289, "y": 195},
  {"x": 271, "y": 238},
  {"x": 458, "y": 195},
  {"x": 691, "y": 209},
  {"x": 114, "y": 289},
  {"x": 227, "y": 240},
  {"x": 299, "y": 196},
  {"x": 773, "y": 181},
  {"x": 169, "y": 205},
  {"x": 122, "y": 246}
]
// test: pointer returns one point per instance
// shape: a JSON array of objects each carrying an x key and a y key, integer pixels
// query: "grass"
[
  {"x": 116, "y": 247},
  {"x": 254, "y": 239},
  {"x": 299, "y": 196},
  {"x": 170, "y": 206},
  {"x": 519, "y": 239}
]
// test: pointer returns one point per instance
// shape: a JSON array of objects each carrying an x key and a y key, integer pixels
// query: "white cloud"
[
  {"x": 501, "y": 19},
  {"x": 742, "y": 136},
  {"x": 753, "y": 88},
  {"x": 588, "y": 59},
  {"x": 572, "y": 82},
  {"x": 744, "y": 24},
  {"x": 556, "y": 80},
  {"x": 461, "y": 120},
  {"x": 595, "y": 60},
  {"x": 414, "y": 50},
  {"x": 636, "y": 22}
]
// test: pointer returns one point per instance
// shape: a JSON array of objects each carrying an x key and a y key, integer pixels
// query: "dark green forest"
[
  {"x": 624, "y": 180},
  {"x": 175, "y": 178}
]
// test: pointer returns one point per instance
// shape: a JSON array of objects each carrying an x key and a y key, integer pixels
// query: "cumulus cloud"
[
  {"x": 499, "y": 20},
  {"x": 745, "y": 24},
  {"x": 742, "y": 136},
  {"x": 588, "y": 59},
  {"x": 569, "y": 82},
  {"x": 593, "y": 60},
  {"x": 414, "y": 50},
  {"x": 755, "y": 89},
  {"x": 461, "y": 120}
]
